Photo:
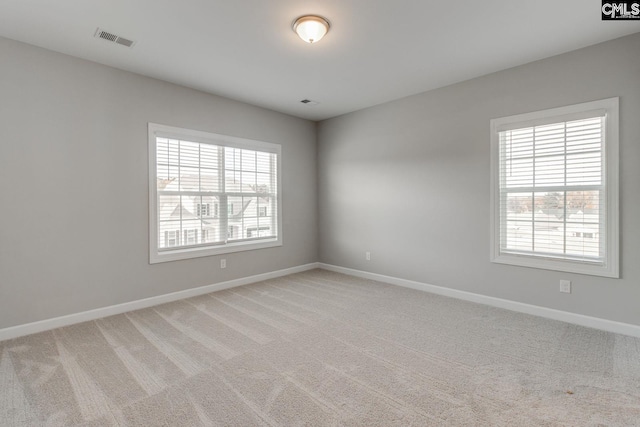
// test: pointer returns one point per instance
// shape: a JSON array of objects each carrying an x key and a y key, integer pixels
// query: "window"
[
  {"x": 191, "y": 237},
  {"x": 171, "y": 238},
  {"x": 191, "y": 171},
  {"x": 203, "y": 209},
  {"x": 554, "y": 185}
]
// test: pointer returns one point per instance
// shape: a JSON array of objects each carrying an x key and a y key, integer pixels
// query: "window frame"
[
  {"x": 610, "y": 266},
  {"x": 158, "y": 130}
]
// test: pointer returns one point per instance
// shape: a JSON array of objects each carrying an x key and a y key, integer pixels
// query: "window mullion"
[
  {"x": 564, "y": 203},
  {"x": 179, "y": 189},
  {"x": 603, "y": 196},
  {"x": 222, "y": 179},
  {"x": 533, "y": 194},
  {"x": 273, "y": 199},
  {"x": 502, "y": 184},
  {"x": 201, "y": 213}
]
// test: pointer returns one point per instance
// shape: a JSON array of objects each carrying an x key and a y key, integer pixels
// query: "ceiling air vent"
[{"x": 113, "y": 38}]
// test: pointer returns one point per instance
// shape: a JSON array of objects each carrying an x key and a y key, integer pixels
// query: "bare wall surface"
[
  {"x": 409, "y": 181},
  {"x": 74, "y": 184}
]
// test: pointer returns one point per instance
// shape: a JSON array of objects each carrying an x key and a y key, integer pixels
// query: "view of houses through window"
[
  {"x": 554, "y": 222},
  {"x": 213, "y": 194}
]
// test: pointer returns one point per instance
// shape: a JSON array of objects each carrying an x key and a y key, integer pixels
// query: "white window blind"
[
  {"x": 193, "y": 171},
  {"x": 552, "y": 190}
]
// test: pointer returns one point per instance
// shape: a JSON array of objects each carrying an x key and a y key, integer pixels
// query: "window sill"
[
  {"x": 157, "y": 257},
  {"x": 591, "y": 269}
]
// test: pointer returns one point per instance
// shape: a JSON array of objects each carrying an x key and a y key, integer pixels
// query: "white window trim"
[
  {"x": 157, "y": 130},
  {"x": 611, "y": 182}
]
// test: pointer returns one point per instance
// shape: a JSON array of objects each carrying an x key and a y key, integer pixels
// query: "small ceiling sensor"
[{"x": 309, "y": 102}]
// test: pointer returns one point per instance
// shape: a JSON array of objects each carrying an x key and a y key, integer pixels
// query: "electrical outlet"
[
  {"x": 565, "y": 286},
  {"x": 367, "y": 256},
  {"x": 223, "y": 263}
]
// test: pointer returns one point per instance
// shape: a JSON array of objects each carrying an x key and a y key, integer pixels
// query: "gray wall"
[
  {"x": 406, "y": 180},
  {"x": 74, "y": 184},
  {"x": 409, "y": 181}
]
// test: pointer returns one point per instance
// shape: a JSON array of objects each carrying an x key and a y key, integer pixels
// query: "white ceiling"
[{"x": 376, "y": 50}]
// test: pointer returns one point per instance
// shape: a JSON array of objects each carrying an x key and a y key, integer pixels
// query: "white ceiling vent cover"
[{"x": 113, "y": 38}]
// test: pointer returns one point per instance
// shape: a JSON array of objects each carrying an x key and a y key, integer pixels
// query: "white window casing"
[
  {"x": 554, "y": 189},
  {"x": 191, "y": 171}
]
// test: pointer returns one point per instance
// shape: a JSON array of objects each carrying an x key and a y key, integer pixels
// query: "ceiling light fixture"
[{"x": 311, "y": 28}]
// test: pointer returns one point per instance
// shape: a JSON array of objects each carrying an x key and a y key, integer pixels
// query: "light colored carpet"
[{"x": 321, "y": 348}]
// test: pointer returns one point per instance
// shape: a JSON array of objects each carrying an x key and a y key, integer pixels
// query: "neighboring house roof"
[
  {"x": 587, "y": 222},
  {"x": 239, "y": 214},
  {"x": 577, "y": 222},
  {"x": 177, "y": 211},
  {"x": 172, "y": 208},
  {"x": 181, "y": 213},
  {"x": 588, "y": 217}
]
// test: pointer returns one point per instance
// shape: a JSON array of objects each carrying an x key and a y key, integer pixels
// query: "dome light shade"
[{"x": 311, "y": 28}]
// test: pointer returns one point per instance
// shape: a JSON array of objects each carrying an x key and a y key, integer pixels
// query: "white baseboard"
[
  {"x": 549, "y": 313},
  {"x": 57, "y": 322}
]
